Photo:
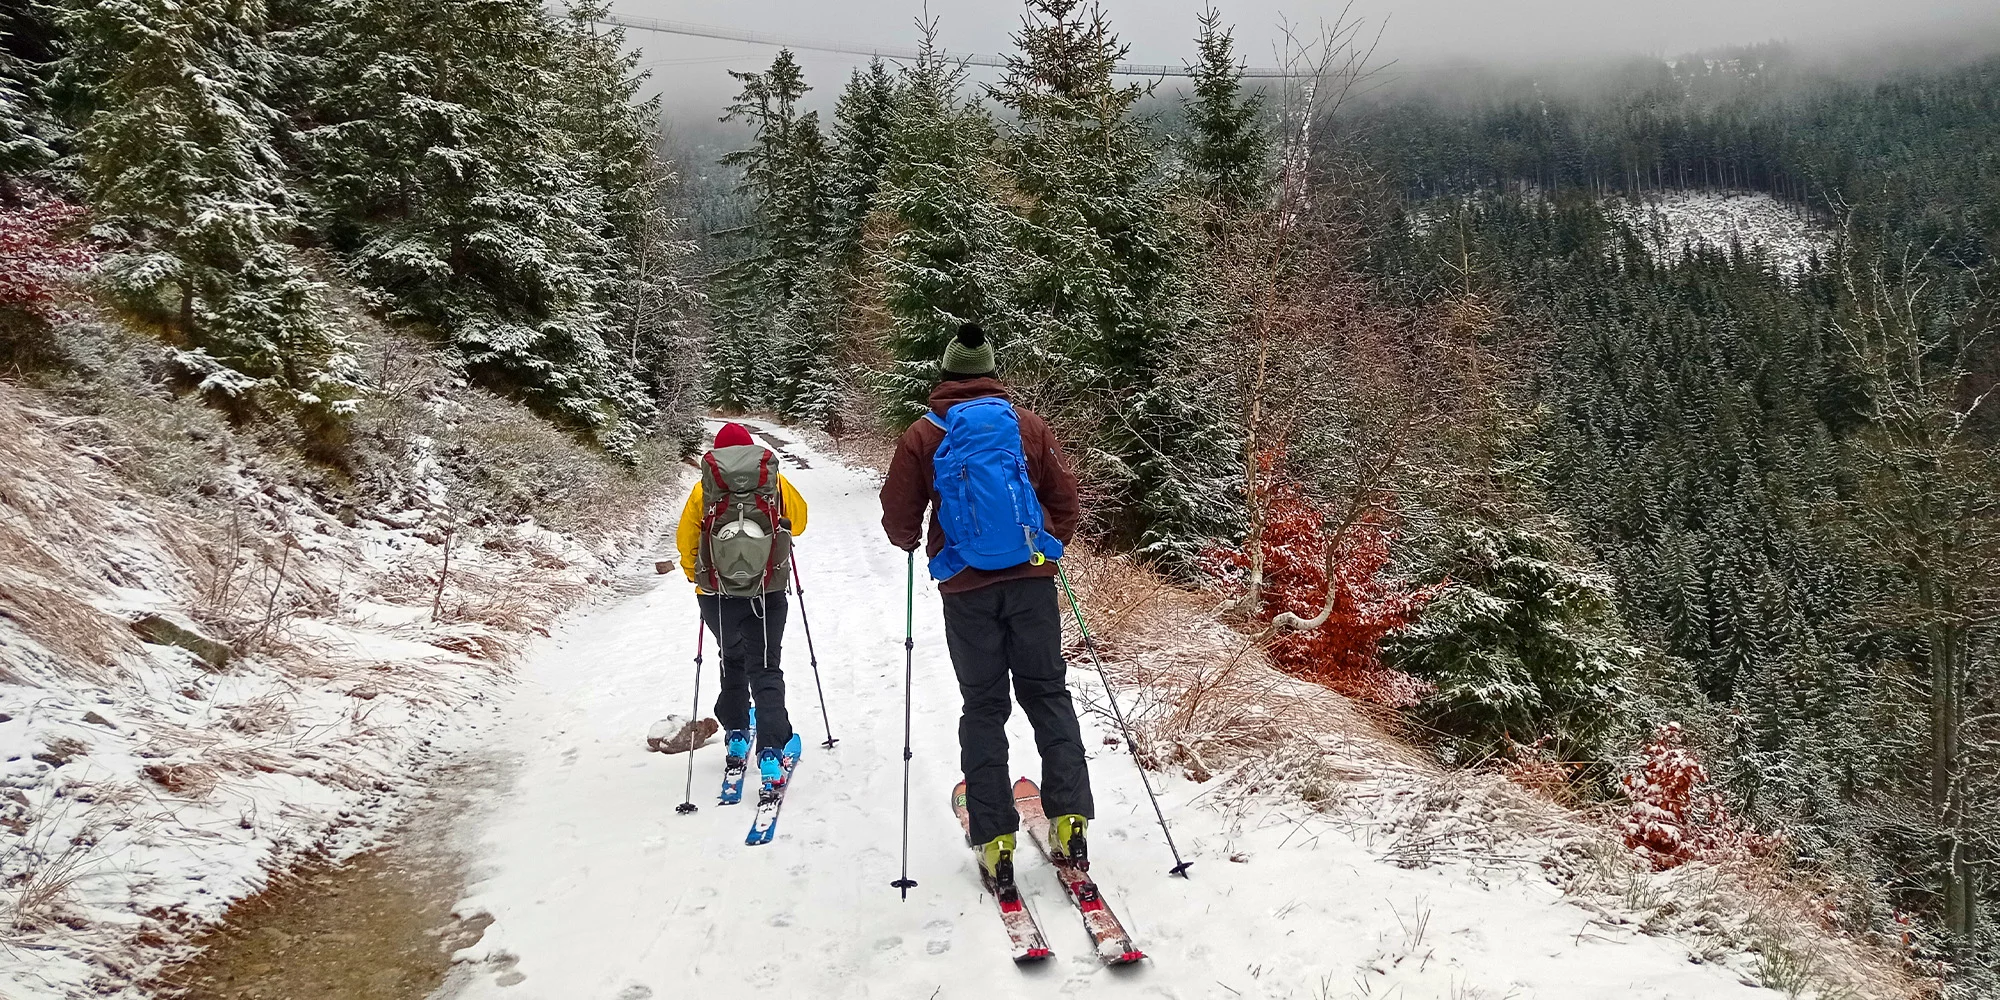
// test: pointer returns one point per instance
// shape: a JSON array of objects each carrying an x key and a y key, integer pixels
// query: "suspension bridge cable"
[{"x": 891, "y": 53}]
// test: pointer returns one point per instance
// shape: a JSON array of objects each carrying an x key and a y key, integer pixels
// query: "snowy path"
[{"x": 599, "y": 890}]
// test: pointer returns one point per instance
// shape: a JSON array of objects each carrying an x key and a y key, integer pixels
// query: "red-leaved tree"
[
  {"x": 38, "y": 256},
  {"x": 1344, "y": 653},
  {"x": 1675, "y": 817}
]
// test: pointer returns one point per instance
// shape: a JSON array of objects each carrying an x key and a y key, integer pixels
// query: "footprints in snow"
[{"x": 940, "y": 937}]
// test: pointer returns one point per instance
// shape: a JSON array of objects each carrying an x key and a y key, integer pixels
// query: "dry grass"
[
  {"x": 111, "y": 485},
  {"x": 53, "y": 506},
  {"x": 41, "y": 879}
]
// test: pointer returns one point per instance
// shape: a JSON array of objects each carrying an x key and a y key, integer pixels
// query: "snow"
[
  {"x": 145, "y": 790},
  {"x": 1787, "y": 236},
  {"x": 598, "y": 889}
]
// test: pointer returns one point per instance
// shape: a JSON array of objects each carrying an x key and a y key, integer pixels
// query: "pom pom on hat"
[{"x": 969, "y": 353}]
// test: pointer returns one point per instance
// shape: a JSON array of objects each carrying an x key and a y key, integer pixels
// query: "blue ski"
[{"x": 771, "y": 798}]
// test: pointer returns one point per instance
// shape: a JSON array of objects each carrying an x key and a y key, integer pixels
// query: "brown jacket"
[{"x": 910, "y": 489}]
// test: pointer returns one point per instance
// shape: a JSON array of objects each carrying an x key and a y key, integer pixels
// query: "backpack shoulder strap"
[
  {"x": 712, "y": 472},
  {"x": 933, "y": 418}
]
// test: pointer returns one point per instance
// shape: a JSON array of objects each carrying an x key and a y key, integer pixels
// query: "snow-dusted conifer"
[
  {"x": 862, "y": 122},
  {"x": 179, "y": 160},
  {"x": 452, "y": 160},
  {"x": 1521, "y": 644},
  {"x": 774, "y": 313},
  {"x": 941, "y": 265},
  {"x": 1228, "y": 148},
  {"x": 28, "y": 131},
  {"x": 1100, "y": 293}
]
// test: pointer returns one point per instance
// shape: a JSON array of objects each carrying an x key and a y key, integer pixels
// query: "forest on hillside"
[
  {"x": 1702, "y": 538},
  {"x": 506, "y": 195}
]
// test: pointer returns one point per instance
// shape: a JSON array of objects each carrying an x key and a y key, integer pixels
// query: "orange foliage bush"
[
  {"x": 1345, "y": 653},
  {"x": 1674, "y": 817}
]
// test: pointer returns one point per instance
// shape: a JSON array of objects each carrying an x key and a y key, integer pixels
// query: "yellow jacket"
[{"x": 689, "y": 535}]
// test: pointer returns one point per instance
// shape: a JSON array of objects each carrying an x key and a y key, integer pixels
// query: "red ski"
[
  {"x": 1114, "y": 946},
  {"x": 1022, "y": 931}
]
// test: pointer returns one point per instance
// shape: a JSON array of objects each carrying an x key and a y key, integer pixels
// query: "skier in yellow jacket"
[{"x": 739, "y": 560}]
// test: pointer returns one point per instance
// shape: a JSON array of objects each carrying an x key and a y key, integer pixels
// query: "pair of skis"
[{"x": 1113, "y": 945}]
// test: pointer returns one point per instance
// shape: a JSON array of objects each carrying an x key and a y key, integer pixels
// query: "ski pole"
[
  {"x": 909, "y": 660},
  {"x": 812, "y": 653},
  {"x": 694, "y": 715},
  {"x": 1111, "y": 695}
]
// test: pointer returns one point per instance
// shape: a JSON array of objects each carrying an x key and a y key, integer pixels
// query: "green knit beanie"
[{"x": 969, "y": 353}]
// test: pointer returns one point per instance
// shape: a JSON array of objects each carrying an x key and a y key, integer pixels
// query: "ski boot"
[
  {"x": 736, "y": 748},
  {"x": 771, "y": 767},
  {"x": 996, "y": 867},
  {"x": 1066, "y": 842}
]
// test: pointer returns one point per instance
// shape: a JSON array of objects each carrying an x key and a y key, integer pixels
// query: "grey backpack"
[{"x": 746, "y": 540}]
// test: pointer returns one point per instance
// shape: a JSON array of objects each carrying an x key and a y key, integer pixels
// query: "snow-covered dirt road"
[{"x": 598, "y": 889}]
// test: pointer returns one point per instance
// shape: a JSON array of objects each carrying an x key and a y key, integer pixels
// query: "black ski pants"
[
  {"x": 749, "y": 633},
  {"x": 1013, "y": 629}
]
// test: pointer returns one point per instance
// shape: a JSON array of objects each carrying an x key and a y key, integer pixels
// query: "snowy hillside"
[
  {"x": 1786, "y": 235},
  {"x": 195, "y": 695},
  {"x": 1331, "y": 863}
]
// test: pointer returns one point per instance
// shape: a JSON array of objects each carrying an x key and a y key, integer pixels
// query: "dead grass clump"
[
  {"x": 60, "y": 750},
  {"x": 186, "y": 779},
  {"x": 83, "y": 639},
  {"x": 49, "y": 507},
  {"x": 474, "y": 641},
  {"x": 267, "y": 713},
  {"x": 40, "y": 881}
]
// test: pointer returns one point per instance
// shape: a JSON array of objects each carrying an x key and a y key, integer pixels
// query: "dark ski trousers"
[
  {"x": 750, "y": 663},
  {"x": 1013, "y": 628}
]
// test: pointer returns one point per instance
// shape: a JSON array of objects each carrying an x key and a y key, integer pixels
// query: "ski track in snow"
[{"x": 599, "y": 889}]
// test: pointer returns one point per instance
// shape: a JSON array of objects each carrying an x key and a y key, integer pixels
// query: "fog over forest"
[{"x": 1415, "y": 32}]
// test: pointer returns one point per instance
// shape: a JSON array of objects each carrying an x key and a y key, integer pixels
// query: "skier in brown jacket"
[{"x": 999, "y": 623}]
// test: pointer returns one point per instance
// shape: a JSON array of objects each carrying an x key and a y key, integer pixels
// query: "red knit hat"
[{"x": 732, "y": 435}]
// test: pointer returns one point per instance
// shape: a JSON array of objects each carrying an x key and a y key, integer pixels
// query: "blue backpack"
[{"x": 986, "y": 503}]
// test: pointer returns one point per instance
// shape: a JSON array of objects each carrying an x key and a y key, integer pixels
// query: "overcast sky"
[{"x": 691, "y": 70}]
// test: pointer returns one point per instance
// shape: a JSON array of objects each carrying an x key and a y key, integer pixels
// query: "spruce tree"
[
  {"x": 862, "y": 121},
  {"x": 775, "y": 309},
  {"x": 943, "y": 265},
  {"x": 29, "y": 132},
  {"x": 1228, "y": 148},
  {"x": 452, "y": 160},
  {"x": 1523, "y": 644},
  {"x": 179, "y": 161},
  {"x": 1101, "y": 289}
]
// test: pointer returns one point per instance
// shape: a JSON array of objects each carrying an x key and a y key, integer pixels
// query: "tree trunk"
[{"x": 1253, "y": 539}]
